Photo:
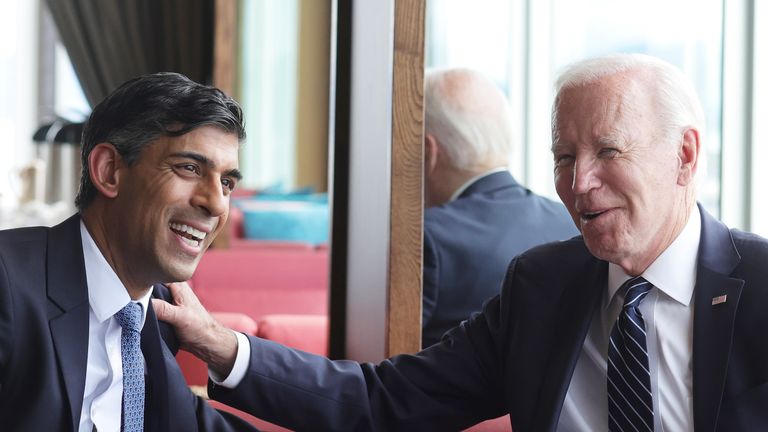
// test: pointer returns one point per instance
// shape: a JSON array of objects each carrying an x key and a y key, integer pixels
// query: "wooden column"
[
  {"x": 406, "y": 211},
  {"x": 224, "y": 67},
  {"x": 225, "y": 45}
]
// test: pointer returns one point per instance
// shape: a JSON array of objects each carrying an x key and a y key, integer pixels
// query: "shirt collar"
[
  {"x": 106, "y": 293},
  {"x": 457, "y": 193},
  {"x": 674, "y": 271}
]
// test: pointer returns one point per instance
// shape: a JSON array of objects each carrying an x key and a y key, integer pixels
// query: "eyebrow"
[
  {"x": 209, "y": 163},
  {"x": 556, "y": 145},
  {"x": 608, "y": 141}
]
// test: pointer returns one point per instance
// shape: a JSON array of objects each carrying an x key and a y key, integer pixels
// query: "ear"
[
  {"x": 104, "y": 162},
  {"x": 431, "y": 153},
  {"x": 688, "y": 154}
]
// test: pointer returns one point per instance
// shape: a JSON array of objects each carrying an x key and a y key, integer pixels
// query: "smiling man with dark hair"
[{"x": 80, "y": 346}]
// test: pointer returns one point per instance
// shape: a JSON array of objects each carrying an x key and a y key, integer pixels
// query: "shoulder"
[
  {"x": 753, "y": 243},
  {"x": 753, "y": 250},
  {"x": 160, "y": 291},
  {"x": 12, "y": 237},
  {"x": 559, "y": 260},
  {"x": 21, "y": 247}
]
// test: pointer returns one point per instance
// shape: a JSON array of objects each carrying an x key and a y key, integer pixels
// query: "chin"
[
  {"x": 603, "y": 250},
  {"x": 179, "y": 273}
]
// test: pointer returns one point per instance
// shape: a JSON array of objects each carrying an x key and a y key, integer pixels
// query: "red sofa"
[{"x": 258, "y": 282}]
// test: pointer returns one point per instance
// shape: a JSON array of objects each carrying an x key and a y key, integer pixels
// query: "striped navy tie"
[{"x": 630, "y": 402}]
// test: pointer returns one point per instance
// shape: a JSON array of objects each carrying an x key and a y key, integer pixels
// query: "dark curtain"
[{"x": 111, "y": 41}]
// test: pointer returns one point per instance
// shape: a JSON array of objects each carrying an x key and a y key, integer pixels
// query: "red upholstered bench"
[
  {"x": 259, "y": 282},
  {"x": 304, "y": 332}
]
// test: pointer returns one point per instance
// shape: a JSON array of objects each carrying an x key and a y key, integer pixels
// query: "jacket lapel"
[
  {"x": 575, "y": 311},
  {"x": 68, "y": 309},
  {"x": 156, "y": 402},
  {"x": 713, "y": 319}
]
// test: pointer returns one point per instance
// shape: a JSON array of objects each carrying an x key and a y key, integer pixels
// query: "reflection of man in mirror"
[
  {"x": 478, "y": 217},
  {"x": 80, "y": 346}
]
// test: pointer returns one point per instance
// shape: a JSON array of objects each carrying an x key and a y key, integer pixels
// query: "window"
[
  {"x": 524, "y": 43},
  {"x": 269, "y": 63},
  {"x": 17, "y": 95},
  {"x": 759, "y": 136}
]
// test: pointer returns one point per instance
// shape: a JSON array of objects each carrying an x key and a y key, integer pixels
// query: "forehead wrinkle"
[{"x": 194, "y": 156}]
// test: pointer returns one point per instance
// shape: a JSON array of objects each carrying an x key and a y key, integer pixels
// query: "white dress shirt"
[
  {"x": 102, "y": 400},
  {"x": 668, "y": 314}
]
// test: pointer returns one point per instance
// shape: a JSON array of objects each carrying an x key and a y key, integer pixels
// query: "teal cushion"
[{"x": 305, "y": 221}]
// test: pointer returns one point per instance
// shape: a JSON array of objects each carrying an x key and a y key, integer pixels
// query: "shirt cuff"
[{"x": 240, "y": 367}]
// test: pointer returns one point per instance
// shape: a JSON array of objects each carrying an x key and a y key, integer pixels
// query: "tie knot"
[
  {"x": 637, "y": 289},
  {"x": 129, "y": 317}
]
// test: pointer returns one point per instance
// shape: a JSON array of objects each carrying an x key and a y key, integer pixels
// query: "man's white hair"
[
  {"x": 469, "y": 116},
  {"x": 679, "y": 106}
]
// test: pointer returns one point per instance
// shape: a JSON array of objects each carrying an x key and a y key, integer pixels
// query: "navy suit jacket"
[
  {"x": 44, "y": 313},
  {"x": 518, "y": 355},
  {"x": 469, "y": 242}
]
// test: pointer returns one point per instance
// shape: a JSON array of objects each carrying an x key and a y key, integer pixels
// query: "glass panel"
[
  {"x": 663, "y": 29},
  {"x": 283, "y": 87},
  {"x": 69, "y": 100},
  {"x": 486, "y": 35},
  {"x": 268, "y": 67},
  {"x": 759, "y": 216}
]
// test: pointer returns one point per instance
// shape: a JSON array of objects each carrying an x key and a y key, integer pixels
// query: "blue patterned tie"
[
  {"x": 129, "y": 318},
  {"x": 630, "y": 402}
]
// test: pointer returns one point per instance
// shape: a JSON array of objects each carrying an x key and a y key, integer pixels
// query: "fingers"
[
  {"x": 196, "y": 329},
  {"x": 163, "y": 310},
  {"x": 180, "y": 292},
  {"x": 174, "y": 314}
]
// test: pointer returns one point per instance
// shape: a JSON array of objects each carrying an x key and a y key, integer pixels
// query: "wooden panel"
[
  {"x": 405, "y": 297},
  {"x": 225, "y": 45},
  {"x": 224, "y": 55},
  {"x": 312, "y": 105}
]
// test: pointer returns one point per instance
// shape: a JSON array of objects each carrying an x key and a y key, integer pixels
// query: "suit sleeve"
[
  {"x": 210, "y": 419},
  {"x": 448, "y": 386},
  {"x": 430, "y": 278}
]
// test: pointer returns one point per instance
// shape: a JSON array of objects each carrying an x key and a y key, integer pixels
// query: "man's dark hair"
[{"x": 146, "y": 108}]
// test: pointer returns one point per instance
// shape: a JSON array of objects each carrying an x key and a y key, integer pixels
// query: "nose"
[
  {"x": 585, "y": 176},
  {"x": 210, "y": 197}
]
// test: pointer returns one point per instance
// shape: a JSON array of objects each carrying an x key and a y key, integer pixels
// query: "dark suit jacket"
[
  {"x": 518, "y": 355},
  {"x": 44, "y": 342},
  {"x": 469, "y": 242}
]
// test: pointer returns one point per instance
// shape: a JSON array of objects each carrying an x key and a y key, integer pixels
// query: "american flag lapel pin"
[{"x": 719, "y": 299}]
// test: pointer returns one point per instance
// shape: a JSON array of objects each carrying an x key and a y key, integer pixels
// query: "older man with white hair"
[
  {"x": 650, "y": 320},
  {"x": 478, "y": 217}
]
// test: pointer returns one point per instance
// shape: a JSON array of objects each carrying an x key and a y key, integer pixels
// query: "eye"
[
  {"x": 608, "y": 152},
  {"x": 190, "y": 168},
  {"x": 563, "y": 160},
  {"x": 229, "y": 184}
]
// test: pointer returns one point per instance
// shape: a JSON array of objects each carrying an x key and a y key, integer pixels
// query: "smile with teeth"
[{"x": 189, "y": 235}]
